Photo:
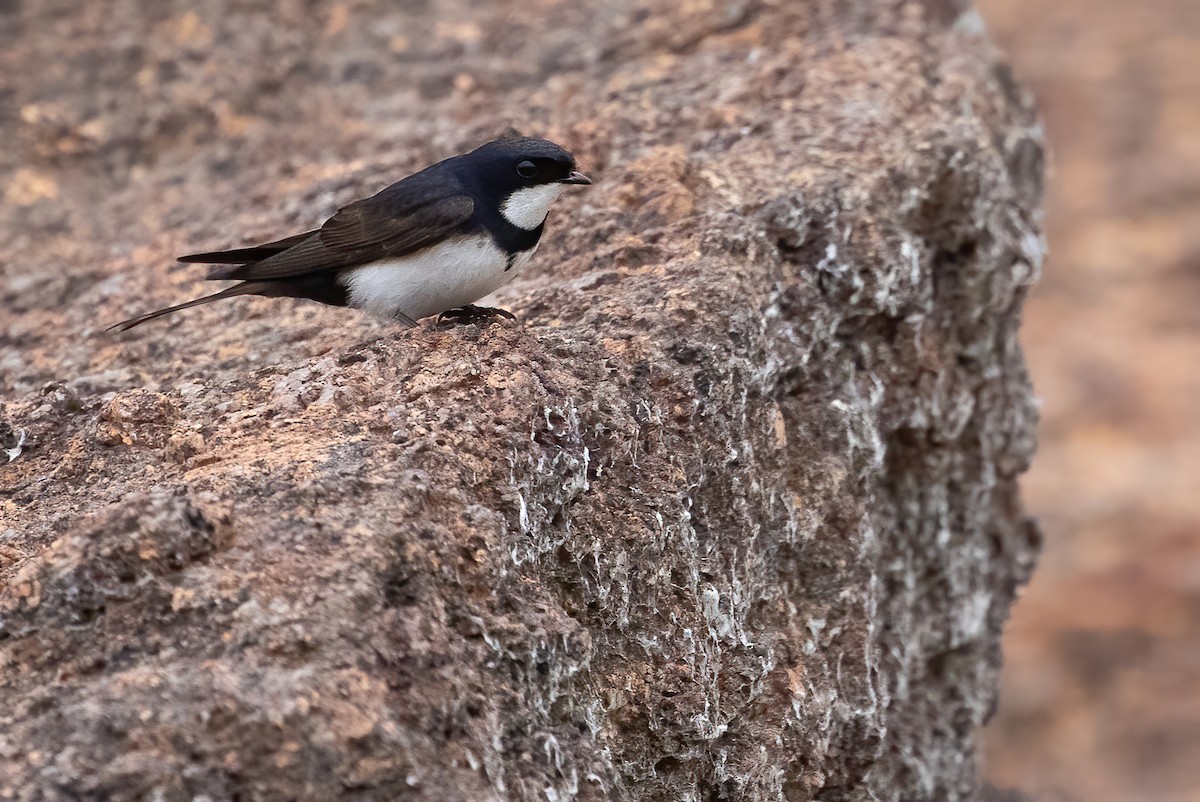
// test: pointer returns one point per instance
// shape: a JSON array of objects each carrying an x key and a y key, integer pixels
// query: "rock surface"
[{"x": 732, "y": 515}]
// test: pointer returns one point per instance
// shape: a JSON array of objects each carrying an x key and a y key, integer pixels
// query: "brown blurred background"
[{"x": 1101, "y": 694}]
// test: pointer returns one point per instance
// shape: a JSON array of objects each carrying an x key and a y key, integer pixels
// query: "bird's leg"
[
  {"x": 408, "y": 322},
  {"x": 470, "y": 313}
]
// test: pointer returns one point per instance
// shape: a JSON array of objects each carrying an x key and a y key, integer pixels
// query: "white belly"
[{"x": 455, "y": 273}]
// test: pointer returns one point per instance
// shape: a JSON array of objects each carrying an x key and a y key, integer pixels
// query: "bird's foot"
[{"x": 466, "y": 315}]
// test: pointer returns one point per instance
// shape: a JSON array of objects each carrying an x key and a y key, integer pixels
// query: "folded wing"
[
  {"x": 240, "y": 256},
  {"x": 405, "y": 217}
]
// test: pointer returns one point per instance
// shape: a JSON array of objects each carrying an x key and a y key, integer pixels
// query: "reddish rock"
[{"x": 732, "y": 514}]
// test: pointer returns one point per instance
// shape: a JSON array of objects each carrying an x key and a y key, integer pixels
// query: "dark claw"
[{"x": 471, "y": 314}]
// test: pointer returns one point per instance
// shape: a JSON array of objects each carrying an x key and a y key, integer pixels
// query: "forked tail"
[{"x": 245, "y": 288}]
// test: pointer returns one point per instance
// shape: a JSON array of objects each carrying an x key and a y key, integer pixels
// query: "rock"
[
  {"x": 12, "y": 438},
  {"x": 118, "y": 556},
  {"x": 733, "y": 514},
  {"x": 137, "y": 417}
]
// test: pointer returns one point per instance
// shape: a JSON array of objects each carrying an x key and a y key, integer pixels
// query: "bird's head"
[{"x": 525, "y": 176}]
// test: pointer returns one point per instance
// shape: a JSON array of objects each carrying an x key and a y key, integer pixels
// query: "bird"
[{"x": 430, "y": 244}]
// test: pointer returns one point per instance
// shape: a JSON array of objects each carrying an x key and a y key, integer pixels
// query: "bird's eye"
[{"x": 526, "y": 168}]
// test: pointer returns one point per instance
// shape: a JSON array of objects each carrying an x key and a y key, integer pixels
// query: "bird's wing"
[
  {"x": 403, "y": 218},
  {"x": 240, "y": 256}
]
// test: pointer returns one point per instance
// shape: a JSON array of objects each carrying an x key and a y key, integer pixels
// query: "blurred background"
[{"x": 1101, "y": 693}]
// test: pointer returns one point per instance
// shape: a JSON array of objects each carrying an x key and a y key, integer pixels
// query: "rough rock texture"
[{"x": 733, "y": 515}]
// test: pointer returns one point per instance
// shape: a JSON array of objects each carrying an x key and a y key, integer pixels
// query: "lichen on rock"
[{"x": 732, "y": 514}]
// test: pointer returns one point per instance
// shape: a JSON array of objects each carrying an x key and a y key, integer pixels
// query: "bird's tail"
[{"x": 245, "y": 288}]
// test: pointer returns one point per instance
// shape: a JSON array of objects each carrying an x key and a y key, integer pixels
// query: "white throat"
[{"x": 527, "y": 207}]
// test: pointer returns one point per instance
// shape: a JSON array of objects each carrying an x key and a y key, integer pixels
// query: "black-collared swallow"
[{"x": 430, "y": 244}]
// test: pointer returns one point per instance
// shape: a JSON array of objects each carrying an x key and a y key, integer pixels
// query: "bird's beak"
[{"x": 576, "y": 178}]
